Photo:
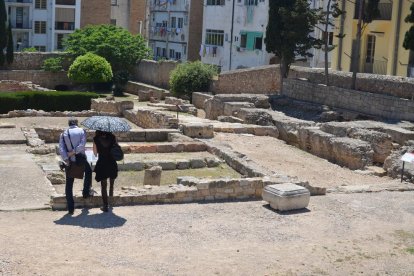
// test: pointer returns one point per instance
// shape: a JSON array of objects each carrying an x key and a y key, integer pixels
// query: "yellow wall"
[{"x": 384, "y": 31}]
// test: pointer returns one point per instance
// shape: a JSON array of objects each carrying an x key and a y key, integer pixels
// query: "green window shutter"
[{"x": 250, "y": 41}]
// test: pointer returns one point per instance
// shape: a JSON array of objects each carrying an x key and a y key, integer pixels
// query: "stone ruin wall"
[
  {"x": 368, "y": 103},
  {"x": 45, "y": 79},
  {"x": 34, "y": 61}
]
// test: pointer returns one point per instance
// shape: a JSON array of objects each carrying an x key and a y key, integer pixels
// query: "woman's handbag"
[
  {"x": 75, "y": 171},
  {"x": 116, "y": 152}
]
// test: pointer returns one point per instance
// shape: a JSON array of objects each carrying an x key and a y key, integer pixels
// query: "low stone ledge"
[
  {"x": 151, "y": 118},
  {"x": 248, "y": 129},
  {"x": 41, "y": 113},
  {"x": 168, "y": 147},
  {"x": 199, "y": 99},
  {"x": 199, "y": 130},
  {"x": 129, "y": 164},
  {"x": 104, "y": 106}
]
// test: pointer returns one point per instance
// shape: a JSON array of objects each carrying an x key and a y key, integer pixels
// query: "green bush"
[
  {"x": 90, "y": 68},
  {"x": 52, "y": 64},
  {"x": 191, "y": 77},
  {"x": 30, "y": 50},
  {"x": 46, "y": 100}
]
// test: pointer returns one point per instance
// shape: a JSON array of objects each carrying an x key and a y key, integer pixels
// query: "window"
[
  {"x": 172, "y": 53},
  {"x": 250, "y": 2},
  {"x": 59, "y": 41},
  {"x": 180, "y": 22},
  {"x": 113, "y": 22},
  {"x": 214, "y": 37},
  {"x": 370, "y": 49},
  {"x": 40, "y": 4},
  {"x": 114, "y": 2},
  {"x": 178, "y": 55},
  {"x": 164, "y": 52},
  {"x": 40, "y": 27},
  {"x": 258, "y": 42},
  {"x": 330, "y": 37},
  {"x": 243, "y": 41},
  {"x": 251, "y": 40},
  {"x": 158, "y": 51},
  {"x": 19, "y": 17},
  {"x": 173, "y": 22},
  {"x": 215, "y": 2},
  {"x": 40, "y": 48}
]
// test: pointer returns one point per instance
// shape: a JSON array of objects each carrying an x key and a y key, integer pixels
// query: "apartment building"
[
  {"x": 130, "y": 15},
  {"x": 175, "y": 28},
  {"x": 44, "y": 24},
  {"x": 381, "y": 50},
  {"x": 233, "y": 33}
]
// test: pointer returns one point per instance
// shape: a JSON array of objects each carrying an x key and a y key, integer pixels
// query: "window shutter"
[{"x": 250, "y": 41}]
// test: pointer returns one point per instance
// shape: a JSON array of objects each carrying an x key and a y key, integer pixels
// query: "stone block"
[
  {"x": 212, "y": 162},
  {"x": 167, "y": 165},
  {"x": 230, "y": 119},
  {"x": 152, "y": 176},
  {"x": 144, "y": 148},
  {"x": 194, "y": 147},
  {"x": 183, "y": 164},
  {"x": 199, "y": 99},
  {"x": 144, "y": 96},
  {"x": 198, "y": 130},
  {"x": 286, "y": 197},
  {"x": 197, "y": 163}
]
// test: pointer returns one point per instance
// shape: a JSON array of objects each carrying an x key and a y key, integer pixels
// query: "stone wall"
[
  {"x": 34, "y": 61},
  {"x": 257, "y": 80},
  {"x": 154, "y": 73},
  {"x": 371, "y": 104},
  {"x": 104, "y": 106},
  {"x": 13, "y": 86},
  {"x": 151, "y": 118},
  {"x": 51, "y": 135},
  {"x": 45, "y": 79}
]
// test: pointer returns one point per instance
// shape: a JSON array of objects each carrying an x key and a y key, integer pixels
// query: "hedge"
[{"x": 47, "y": 100}]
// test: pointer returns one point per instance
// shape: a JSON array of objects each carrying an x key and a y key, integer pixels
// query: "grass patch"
[{"x": 410, "y": 250}]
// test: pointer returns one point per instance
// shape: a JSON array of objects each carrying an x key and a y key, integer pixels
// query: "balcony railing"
[
  {"x": 24, "y": 25},
  {"x": 385, "y": 11},
  {"x": 65, "y": 26},
  {"x": 66, "y": 2},
  {"x": 19, "y": 1},
  {"x": 378, "y": 67}
]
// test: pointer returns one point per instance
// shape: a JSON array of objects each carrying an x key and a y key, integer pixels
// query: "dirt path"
[
  {"x": 340, "y": 234},
  {"x": 277, "y": 156}
]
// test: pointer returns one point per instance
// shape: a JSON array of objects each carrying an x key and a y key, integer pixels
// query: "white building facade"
[
  {"x": 233, "y": 33},
  {"x": 42, "y": 24},
  {"x": 168, "y": 22}
]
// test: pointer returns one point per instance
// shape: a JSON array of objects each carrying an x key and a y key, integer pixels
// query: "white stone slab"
[{"x": 286, "y": 197}]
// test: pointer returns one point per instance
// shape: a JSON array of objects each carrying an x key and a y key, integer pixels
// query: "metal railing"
[
  {"x": 24, "y": 25},
  {"x": 19, "y": 1},
  {"x": 378, "y": 67},
  {"x": 385, "y": 10},
  {"x": 66, "y": 2}
]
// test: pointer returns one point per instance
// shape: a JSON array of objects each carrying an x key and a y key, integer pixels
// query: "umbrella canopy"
[{"x": 106, "y": 123}]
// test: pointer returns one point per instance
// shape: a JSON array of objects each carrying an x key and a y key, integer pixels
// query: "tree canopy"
[
  {"x": 3, "y": 31},
  {"x": 288, "y": 33},
  {"x": 408, "y": 43},
  {"x": 118, "y": 46}
]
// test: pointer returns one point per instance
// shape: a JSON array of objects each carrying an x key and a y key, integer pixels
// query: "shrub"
[
  {"x": 90, "y": 68},
  {"x": 52, "y": 64},
  {"x": 120, "y": 81},
  {"x": 191, "y": 77},
  {"x": 47, "y": 101},
  {"x": 30, "y": 50}
]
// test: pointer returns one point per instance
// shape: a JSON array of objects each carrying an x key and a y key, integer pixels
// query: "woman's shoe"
[{"x": 105, "y": 209}]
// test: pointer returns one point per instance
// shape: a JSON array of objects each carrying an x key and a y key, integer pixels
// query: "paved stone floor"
[
  {"x": 23, "y": 184},
  {"x": 12, "y": 136}
]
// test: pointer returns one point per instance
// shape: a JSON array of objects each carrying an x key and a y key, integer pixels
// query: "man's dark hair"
[{"x": 73, "y": 122}]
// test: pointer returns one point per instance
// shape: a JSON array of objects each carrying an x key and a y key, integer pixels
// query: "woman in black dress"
[{"x": 106, "y": 166}]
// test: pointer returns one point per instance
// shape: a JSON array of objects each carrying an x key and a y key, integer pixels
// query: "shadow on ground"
[
  {"x": 97, "y": 221},
  {"x": 286, "y": 213}
]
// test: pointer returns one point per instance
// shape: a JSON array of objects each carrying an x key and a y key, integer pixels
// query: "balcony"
[
  {"x": 385, "y": 11},
  {"x": 21, "y": 26},
  {"x": 66, "y": 2},
  {"x": 20, "y": 1},
  {"x": 378, "y": 67},
  {"x": 65, "y": 26}
]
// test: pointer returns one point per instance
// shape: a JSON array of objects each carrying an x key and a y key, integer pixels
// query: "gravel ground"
[
  {"x": 277, "y": 156},
  {"x": 339, "y": 234}
]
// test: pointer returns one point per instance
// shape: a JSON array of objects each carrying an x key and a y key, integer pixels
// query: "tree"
[
  {"x": 366, "y": 13},
  {"x": 10, "y": 49},
  {"x": 288, "y": 32},
  {"x": 331, "y": 12},
  {"x": 118, "y": 46},
  {"x": 3, "y": 31},
  {"x": 408, "y": 43},
  {"x": 90, "y": 69}
]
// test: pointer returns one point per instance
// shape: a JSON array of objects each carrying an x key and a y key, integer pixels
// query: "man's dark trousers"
[{"x": 87, "y": 182}]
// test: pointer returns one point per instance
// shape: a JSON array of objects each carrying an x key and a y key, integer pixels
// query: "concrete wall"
[
  {"x": 368, "y": 103},
  {"x": 154, "y": 73},
  {"x": 42, "y": 78}
]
